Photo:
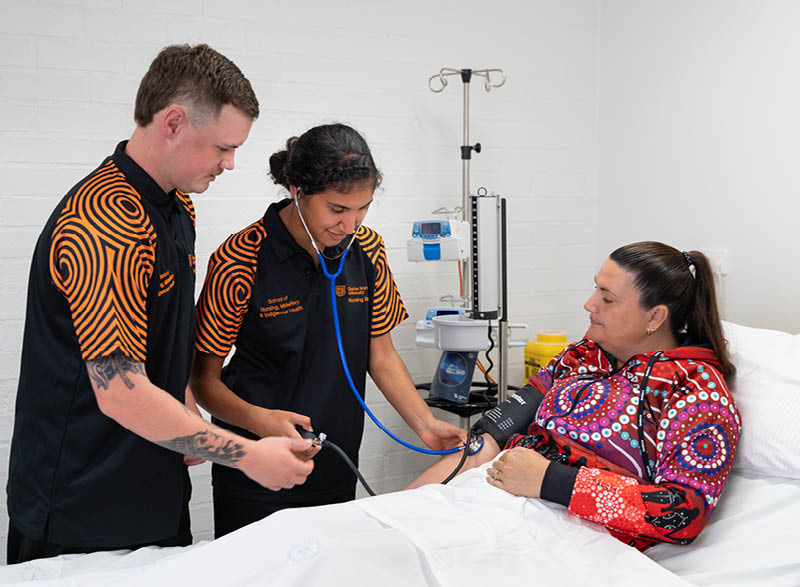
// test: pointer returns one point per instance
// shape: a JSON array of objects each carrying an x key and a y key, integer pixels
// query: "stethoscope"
[{"x": 332, "y": 278}]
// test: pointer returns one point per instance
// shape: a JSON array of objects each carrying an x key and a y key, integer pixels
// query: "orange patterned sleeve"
[
  {"x": 227, "y": 290},
  {"x": 186, "y": 201},
  {"x": 102, "y": 256},
  {"x": 387, "y": 307}
]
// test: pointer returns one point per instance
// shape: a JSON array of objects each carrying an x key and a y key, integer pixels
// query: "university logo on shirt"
[
  {"x": 340, "y": 290},
  {"x": 357, "y": 294}
]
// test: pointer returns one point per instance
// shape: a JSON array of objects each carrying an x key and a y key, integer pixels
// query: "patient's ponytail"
[
  {"x": 684, "y": 282},
  {"x": 703, "y": 321}
]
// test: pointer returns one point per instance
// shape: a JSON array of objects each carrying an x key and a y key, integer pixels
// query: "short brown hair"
[{"x": 197, "y": 75}]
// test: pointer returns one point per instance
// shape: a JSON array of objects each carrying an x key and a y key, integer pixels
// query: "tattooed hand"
[{"x": 271, "y": 462}]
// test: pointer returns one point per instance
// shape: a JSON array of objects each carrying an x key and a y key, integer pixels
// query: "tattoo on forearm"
[
  {"x": 207, "y": 445},
  {"x": 103, "y": 370}
]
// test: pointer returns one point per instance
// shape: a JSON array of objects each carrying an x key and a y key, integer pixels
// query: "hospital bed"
[{"x": 470, "y": 533}]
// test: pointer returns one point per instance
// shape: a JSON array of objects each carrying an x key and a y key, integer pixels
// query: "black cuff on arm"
[
  {"x": 559, "y": 479},
  {"x": 510, "y": 416}
]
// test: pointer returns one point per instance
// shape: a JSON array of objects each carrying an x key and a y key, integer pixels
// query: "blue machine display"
[
  {"x": 431, "y": 313},
  {"x": 453, "y": 378},
  {"x": 438, "y": 240}
]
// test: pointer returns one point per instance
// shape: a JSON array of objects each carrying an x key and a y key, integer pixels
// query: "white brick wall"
[{"x": 69, "y": 70}]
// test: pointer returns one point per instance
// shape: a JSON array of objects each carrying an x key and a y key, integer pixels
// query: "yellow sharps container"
[{"x": 539, "y": 352}]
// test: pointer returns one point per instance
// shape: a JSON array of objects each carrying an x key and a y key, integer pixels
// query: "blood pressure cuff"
[{"x": 510, "y": 416}]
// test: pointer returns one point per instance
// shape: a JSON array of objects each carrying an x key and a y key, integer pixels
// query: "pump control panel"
[{"x": 438, "y": 240}]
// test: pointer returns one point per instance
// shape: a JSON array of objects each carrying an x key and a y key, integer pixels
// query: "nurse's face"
[
  {"x": 331, "y": 216},
  {"x": 200, "y": 152}
]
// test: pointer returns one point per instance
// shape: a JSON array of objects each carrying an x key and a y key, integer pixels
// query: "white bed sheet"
[{"x": 468, "y": 533}]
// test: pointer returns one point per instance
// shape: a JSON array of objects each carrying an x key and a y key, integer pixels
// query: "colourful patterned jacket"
[{"x": 658, "y": 482}]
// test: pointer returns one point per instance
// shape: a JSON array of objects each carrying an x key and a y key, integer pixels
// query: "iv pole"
[{"x": 466, "y": 155}]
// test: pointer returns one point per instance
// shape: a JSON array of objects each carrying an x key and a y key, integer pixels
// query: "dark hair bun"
[
  {"x": 327, "y": 157},
  {"x": 278, "y": 163},
  {"x": 277, "y": 168}
]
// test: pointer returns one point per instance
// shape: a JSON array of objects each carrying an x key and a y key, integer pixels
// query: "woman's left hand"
[
  {"x": 519, "y": 471},
  {"x": 439, "y": 435}
]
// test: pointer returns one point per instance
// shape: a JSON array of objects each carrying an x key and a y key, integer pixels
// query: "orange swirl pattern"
[
  {"x": 102, "y": 255},
  {"x": 387, "y": 307},
  {"x": 187, "y": 204},
  {"x": 227, "y": 290}
]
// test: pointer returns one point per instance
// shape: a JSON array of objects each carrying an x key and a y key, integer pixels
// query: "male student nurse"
[{"x": 104, "y": 416}]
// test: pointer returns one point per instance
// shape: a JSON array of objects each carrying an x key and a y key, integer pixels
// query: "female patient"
[{"x": 633, "y": 427}]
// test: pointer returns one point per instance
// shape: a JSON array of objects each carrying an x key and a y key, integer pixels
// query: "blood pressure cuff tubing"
[{"x": 510, "y": 416}]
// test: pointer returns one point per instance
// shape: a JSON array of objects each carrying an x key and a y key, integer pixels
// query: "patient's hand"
[{"x": 519, "y": 471}]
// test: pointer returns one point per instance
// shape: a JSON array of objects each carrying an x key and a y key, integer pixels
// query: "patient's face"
[{"x": 616, "y": 320}]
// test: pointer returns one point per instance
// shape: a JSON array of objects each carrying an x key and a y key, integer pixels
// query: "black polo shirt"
[
  {"x": 113, "y": 271},
  {"x": 264, "y": 294}
]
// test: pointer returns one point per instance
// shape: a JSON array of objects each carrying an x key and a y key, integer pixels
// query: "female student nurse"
[{"x": 266, "y": 294}]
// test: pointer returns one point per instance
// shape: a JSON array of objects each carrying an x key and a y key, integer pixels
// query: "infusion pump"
[{"x": 438, "y": 240}]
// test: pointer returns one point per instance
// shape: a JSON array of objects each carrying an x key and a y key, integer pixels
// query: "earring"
[{"x": 649, "y": 331}]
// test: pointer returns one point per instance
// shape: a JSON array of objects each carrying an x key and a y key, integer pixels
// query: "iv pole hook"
[{"x": 489, "y": 82}]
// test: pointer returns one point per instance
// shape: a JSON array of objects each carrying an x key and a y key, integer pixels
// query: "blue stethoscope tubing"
[{"x": 332, "y": 278}]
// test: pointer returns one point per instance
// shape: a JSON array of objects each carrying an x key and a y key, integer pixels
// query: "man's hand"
[
  {"x": 275, "y": 463},
  {"x": 125, "y": 394}
]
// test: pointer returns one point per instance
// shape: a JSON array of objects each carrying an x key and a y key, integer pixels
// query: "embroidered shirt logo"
[
  {"x": 192, "y": 262},
  {"x": 279, "y": 307},
  {"x": 340, "y": 290},
  {"x": 357, "y": 294},
  {"x": 166, "y": 281}
]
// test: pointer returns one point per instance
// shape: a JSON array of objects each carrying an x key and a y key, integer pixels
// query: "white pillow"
[{"x": 767, "y": 392}]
